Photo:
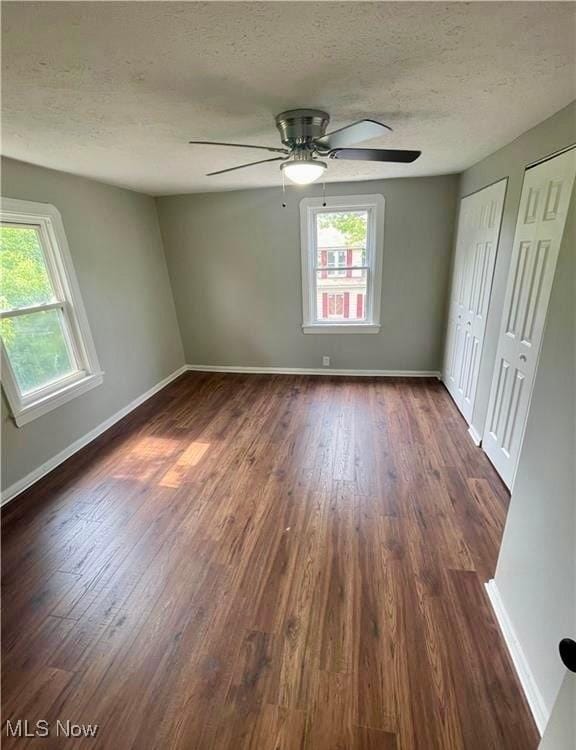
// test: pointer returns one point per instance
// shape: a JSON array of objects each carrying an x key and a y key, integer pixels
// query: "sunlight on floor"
[
  {"x": 154, "y": 447},
  {"x": 145, "y": 456},
  {"x": 191, "y": 456}
]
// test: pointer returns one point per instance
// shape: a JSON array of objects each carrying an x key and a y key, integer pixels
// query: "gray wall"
[
  {"x": 551, "y": 135},
  {"x": 117, "y": 252},
  {"x": 536, "y": 572},
  {"x": 234, "y": 262}
]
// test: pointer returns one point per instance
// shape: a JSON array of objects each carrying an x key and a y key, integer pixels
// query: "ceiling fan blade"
[
  {"x": 356, "y": 132},
  {"x": 375, "y": 154},
  {"x": 240, "y": 145},
  {"x": 242, "y": 166}
]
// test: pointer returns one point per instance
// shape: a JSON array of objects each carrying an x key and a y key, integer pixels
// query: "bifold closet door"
[
  {"x": 476, "y": 247},
  {"x": 454, "y": 340},
  {"x": 541, "y": 219}
]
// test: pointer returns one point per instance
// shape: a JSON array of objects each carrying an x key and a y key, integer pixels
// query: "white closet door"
[
  {"x": 476, "y": 247},
  {"x": 541, "y": 219},
  {"x": 454, "y": 338}
]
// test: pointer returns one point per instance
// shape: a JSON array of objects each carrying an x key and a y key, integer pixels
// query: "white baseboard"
[
  {"x": 22, "y": 484},
  {"x": 317, "y": 371},
  {"x": 525, "y": 675},
  {"x": 476, "y": 438}
]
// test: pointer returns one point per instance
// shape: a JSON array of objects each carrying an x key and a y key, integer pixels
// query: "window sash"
[
  {"x": 48, "y": 252},
  {"x": 368, "y": 267},
  {"x": 31, "y": 404},
  {"x": 58, "y": 278},
  {"x": 56, "y": 297},
  {"x": 78, "y": 371},
  {"x": 334, "y": 290},
  {"x": 25, "y": 398},
  {"x": 48, "y": 389}
]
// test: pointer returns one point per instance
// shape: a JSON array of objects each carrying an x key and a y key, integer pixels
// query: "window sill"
[
  {"x": 341, "y": 328},
  {"x": 41, "y": 406}
]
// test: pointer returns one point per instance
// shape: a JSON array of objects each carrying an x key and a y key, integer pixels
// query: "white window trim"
[
  {"x": 27, "y": 407},
  {"x": 309, "y": 208}
]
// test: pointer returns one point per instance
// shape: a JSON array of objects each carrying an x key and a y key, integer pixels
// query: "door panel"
[
  {"x": 476, "y": 246},
  {"x": 454, "y": 340},
  {"x": 541, "y": 219}
]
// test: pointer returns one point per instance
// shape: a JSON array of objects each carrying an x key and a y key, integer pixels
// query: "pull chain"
[
  {"x": 323, "y": 193},
  {"x": 283, "y": 190}
]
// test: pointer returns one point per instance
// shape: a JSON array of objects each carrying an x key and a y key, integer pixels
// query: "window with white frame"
[
  {"x": 48, "y": 355},
  {"x": 342, "y": 243}
]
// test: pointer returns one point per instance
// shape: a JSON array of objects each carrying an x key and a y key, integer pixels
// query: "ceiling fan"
[{"x": 303, "y": 133}]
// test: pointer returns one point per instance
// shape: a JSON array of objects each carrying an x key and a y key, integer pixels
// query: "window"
[
  {"x": 48, "y": 356},
  {"x": 342, "y": 263}
]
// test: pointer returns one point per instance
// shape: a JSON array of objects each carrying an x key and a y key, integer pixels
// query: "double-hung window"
[
  {"x": 48, "y": 355},
  {"x": 342, "y": 245}
]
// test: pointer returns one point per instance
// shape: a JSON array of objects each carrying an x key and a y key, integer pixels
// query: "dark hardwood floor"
[{"x": 265, "y": 562}]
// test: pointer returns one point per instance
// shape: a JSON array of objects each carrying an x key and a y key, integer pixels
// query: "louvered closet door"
[
  {"x": 476, "y": 247},
  {"x": 541, "y": 220}
]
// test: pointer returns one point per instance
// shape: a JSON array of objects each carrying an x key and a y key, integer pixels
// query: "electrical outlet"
[{"x": 325, "y": 361}]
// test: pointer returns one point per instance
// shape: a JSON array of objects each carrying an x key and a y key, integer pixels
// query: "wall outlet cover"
[{"x": 325, "y": 361}]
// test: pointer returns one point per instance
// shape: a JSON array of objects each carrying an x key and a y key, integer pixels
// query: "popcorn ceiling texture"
[{"x": 113, "y": 91}]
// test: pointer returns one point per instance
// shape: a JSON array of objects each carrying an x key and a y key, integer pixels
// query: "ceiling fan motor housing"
[{"x": 301, "y": 127}]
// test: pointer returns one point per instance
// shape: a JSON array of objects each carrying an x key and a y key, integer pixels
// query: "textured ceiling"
[{"x": 114, "y": 90}]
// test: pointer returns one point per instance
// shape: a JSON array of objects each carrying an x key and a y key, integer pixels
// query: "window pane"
[
  {"x": 341, "y": 238},
  {"x": 24, "y": 280},
  {"x": 37, "y": 348},
  {"x": 341, "y": 298}
]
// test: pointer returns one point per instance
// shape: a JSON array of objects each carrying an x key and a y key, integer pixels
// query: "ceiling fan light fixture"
[
  {"x": 304, "y": 137},
  {"x": 303, "y": 172}
]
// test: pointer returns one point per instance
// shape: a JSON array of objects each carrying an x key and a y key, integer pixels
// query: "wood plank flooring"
[{"x": 265, "y": 562}]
